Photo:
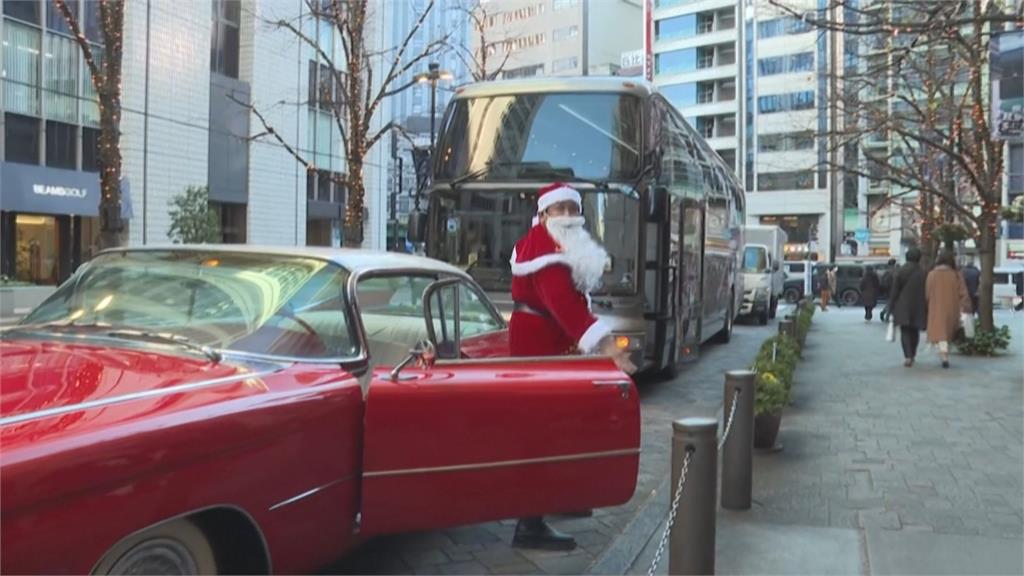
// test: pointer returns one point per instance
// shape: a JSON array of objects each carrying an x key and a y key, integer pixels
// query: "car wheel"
[
  {"x": 850, "y": 298},
  {"x": 176, "y": 547},
  {"x": 791, "y": 296}
]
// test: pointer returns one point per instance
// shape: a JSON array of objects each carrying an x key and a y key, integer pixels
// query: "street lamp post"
[{"x": 433, "y": 75}]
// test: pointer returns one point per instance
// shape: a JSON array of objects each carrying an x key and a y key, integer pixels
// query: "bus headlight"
[{"x": 629, "y": 342}]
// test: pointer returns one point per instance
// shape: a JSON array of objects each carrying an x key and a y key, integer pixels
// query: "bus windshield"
[
  {"x": 559, "y": 135},
  {"x": 477, "y": 231}
]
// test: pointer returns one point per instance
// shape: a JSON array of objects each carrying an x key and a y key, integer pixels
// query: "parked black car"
[{"x": 848, "y": 276}]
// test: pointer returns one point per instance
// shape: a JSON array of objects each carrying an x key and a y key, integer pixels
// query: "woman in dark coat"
[
  {"x": 870, "y": 286},
  {"x": 908, "y": 305}
]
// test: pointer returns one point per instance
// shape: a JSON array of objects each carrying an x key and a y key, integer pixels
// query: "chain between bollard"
[
  {"x": 671, "y": 515},
  {"x": 728, "y": 423}
]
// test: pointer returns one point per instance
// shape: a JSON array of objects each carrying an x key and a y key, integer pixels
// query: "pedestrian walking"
[
  {"x": 972, "y": 278},
  {"x": 833, "y": 285},
  {"x": 947, "y": 298},
  {"x": 887, "y": 277},
  {"x": 824, "y": 287},
  {"x": 554, "y": 268},
  {"x": 870, "y": 286},
  {"x": 907, "y": 304}
]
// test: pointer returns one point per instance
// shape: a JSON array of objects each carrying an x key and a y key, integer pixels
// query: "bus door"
[{"x": 690, "y": 220}]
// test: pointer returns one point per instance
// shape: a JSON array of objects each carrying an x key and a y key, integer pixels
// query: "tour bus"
[{"x": 666, "y": 207}]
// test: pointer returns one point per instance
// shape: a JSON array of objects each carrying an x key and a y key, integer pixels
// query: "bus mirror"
[{"x": 417, "y": 226}]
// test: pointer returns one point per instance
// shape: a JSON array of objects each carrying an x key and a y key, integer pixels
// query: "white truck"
[{"x": 763, "y": 277}]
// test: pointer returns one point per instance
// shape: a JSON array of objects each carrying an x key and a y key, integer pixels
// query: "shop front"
[{"x": 48, "y": 222}]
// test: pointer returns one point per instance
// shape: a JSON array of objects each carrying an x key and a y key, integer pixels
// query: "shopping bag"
[
  {"x": 968, "y": 323},
  {"x": 890, "y": 332}
]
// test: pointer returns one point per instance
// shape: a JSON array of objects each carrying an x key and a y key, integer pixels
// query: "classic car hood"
[{"x": 43, "y": 377}]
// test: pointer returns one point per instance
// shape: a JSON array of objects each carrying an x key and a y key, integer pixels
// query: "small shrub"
[
  {"x": 771, "y": 395},
  {"x": 985, "y": 342},
  {"x": 775, "y": 366},
  {"x": 193, "y": 221}
]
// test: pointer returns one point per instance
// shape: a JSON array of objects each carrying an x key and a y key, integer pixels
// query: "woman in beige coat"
[{"x": 947, "y": 298}]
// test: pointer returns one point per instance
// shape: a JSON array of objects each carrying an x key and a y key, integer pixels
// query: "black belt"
[{"x": 520, "y": 307}]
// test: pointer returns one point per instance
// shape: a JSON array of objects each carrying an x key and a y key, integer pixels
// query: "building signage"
[
  {"x": 1007, "y": 63},
  {"x": 43, "y": 190},
  {"x": 648, "y": 40},
  {"x": 632, "y": 59}
]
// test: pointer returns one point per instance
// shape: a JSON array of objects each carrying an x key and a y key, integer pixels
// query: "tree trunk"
[
  {"x": 354, "y": 204},
  {"x": 987, "y": 251},
  {"x": 111, "y": 224}
]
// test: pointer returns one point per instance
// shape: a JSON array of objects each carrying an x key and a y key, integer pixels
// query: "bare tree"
[
  {"x": 916, "y": 107},
  {"x": 105, "y": 73},
  {"x": 359, "y": 94},
  {"x": 479, "y": 61}
]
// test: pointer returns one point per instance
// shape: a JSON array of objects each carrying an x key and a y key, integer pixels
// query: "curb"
[
  {"x": 620, "y": 555},
  {"x": 630, "y": 544}
]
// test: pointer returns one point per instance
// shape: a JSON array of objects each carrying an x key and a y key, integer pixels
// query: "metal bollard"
[
  {"x": 787, "y": 327},
  {"x": 738, "y": 450},
  {"x": 692, "y": 543}
]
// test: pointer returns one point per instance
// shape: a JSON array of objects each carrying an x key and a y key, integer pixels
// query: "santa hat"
[{"x": 553, "y": 194}]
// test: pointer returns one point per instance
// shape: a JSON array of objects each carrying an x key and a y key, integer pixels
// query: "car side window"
[
  {"x": 475, "y": 317},
  {"x": 391, "y": 308}
]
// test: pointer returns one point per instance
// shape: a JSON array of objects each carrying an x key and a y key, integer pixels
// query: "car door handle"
[{"x": 622, "y": 384}]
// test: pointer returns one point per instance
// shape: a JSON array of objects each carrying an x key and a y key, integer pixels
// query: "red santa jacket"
[{"x": 559, "y": 320}]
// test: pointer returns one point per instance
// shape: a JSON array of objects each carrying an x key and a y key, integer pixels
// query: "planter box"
[{"x": 16, "y": 301}]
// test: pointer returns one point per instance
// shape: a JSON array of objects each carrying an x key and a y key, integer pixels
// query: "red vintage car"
[{"x": 246, "y": 410}]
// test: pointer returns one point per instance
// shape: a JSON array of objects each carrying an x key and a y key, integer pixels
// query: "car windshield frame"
[
  {"x": 324, "y": 276},
  {"x": 465, "y": 158}
]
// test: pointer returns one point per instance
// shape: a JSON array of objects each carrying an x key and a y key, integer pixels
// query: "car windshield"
[
  {"x": 755, "y": 259},
  {"x": 477, "y": 231},
  {"x": 542, "y": 137},
  {"x": 286, "y": 306}
]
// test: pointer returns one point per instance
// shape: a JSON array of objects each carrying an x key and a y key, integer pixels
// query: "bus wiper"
[
  {"x": 168, "y": 337},
  {"x": 489, "y": 165}
]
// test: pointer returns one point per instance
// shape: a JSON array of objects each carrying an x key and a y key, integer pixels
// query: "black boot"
[{"x": 536, "y": 533}]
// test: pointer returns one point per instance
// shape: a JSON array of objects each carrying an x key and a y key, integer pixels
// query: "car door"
[{"x": 464, "y": 441}]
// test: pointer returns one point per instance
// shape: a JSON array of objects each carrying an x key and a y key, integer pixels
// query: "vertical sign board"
[
  {"x": 648, "y": 40},
  {"x": 1007, "y": 62}
]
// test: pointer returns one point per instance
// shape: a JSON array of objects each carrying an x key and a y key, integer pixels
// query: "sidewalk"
[{"x": 885, "y": 469}]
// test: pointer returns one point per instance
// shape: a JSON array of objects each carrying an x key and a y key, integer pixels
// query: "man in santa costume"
[{"x": 555, "y": 266}]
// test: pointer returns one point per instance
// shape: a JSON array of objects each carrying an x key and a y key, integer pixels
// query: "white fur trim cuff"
[
  {"x": 593, "y": 336},
  {"x": 558, "y": 195}
]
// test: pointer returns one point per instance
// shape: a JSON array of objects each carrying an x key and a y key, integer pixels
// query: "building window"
[
  {"x": 675, "y": 28},
  {"x": 27, "y": 10},
  {"x": 786, "y": 141},
  {"x": 705, "y": 92},
  {"x": 224, "y": 45},
  {"x": 61, "y": 148},
  {"x": 706, "y": 126},
  {"x": 782, "y": 26},
  {"x": 232, "y": 221},
  {"x": 563, "y": 4},
  {"x": 727, "y": 125},
  {"x": 21, "y": 139},
  {"x": 566, "y": 33},
  {"x": 680, "y": 94},
  {"x": 561, "y": 64},
  {"x": 21, "y": 67},
  {"x": 90, "y": 150},
  {"x": 786, "y": 102},
  {"x": 786, "y": 64},
  {"x": 726, "y": 90},
  {"x": 523, "y": 72},
  {"x": 795, "y": 180},
  {"x": 93, "y": 30},
  {"x": 676, "y": 61},
  {"x": 61, "y": 78}
]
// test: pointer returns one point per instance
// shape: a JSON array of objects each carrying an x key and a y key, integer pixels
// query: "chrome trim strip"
[
  {"x": 504, "y": 463},
  {"x": 309, "y": 493},
  {"x": 133, "y": 396}
]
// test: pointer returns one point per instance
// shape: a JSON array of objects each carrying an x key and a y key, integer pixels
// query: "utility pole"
[{"x": 834, "y": 189}]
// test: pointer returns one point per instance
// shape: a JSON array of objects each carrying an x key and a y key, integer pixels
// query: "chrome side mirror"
[{"x": 423, "y": 354}]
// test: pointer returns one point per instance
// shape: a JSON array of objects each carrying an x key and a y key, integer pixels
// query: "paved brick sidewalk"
[
  {"x": 917, "y": 470},
  {"x": 484, "y": 548}
]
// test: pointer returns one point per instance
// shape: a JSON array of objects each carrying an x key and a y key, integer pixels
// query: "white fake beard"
[{"x": 586, "y": 258}]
